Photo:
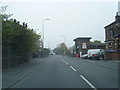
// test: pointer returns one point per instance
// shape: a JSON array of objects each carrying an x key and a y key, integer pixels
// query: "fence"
[
  {"x": 38, "y": 54},
  {"x": 11, "y": 58}
]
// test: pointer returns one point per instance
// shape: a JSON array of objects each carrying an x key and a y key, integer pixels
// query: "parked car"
[
  {"x": 96, "y": 54},
  {"x": 84, "y": 56}
]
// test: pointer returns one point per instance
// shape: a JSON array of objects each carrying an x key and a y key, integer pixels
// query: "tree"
[
  {"x": 96, "y": 42},
  {"x": 61, "y": 49},
  {"x": 19, "y": 37},
  {"x": 18, "y": 41}
]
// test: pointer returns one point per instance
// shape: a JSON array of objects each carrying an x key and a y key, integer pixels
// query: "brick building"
[
  {"x": 97, "y": 46},
  {"x": 81, "y": 45},
  {"x": 112, "y": 33}
]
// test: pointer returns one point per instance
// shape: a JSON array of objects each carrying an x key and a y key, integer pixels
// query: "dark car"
[{"x": 98, "y": 56}]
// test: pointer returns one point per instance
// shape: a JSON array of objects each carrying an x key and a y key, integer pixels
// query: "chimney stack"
[
  {"x": 117, "y": 17},
  {"x": 119, "y": 8}
]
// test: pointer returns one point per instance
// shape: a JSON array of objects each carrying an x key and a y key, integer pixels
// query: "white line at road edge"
[
  {"x": 88, "y": 82},
  {"x": 72, "y": 68},
  {"x": 66, "y": 63}
]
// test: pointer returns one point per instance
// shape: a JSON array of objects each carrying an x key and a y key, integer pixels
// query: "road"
[{"x": 67, "y": 72}]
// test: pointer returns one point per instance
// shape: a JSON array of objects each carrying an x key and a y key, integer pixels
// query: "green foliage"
[
  {"x": 19, "y": 37},
  {"x": 96, "y": 42},
  {"x": 61, "y": 48}
]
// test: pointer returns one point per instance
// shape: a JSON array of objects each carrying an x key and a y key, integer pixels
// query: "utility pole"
[{"x": 64, "y": 43}]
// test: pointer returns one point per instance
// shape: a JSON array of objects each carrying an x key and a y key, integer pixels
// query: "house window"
[
  {"x": 111, "y": 33},
  {"x": 77, "y": 48},
  {"x": 110, "y": 45},
  {"x": 84, "y": 46},
  {"x": 107, "y": 46}
]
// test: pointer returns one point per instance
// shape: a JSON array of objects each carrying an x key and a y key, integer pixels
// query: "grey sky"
[{"x": 69, "y": 19}]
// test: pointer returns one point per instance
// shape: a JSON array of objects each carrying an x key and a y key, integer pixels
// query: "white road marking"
[
  {"x": 73, "y": 68},
  {"x": 62, "y": 59},
  {"x": 88, "y": 82},
  {"x": 66, "y": 63}
]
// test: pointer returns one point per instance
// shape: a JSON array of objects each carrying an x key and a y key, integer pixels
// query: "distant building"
[
  {"x": 112, "y": 33},
  {"x": 82, "y": 45},
  {"x": 97, "y": 46}
]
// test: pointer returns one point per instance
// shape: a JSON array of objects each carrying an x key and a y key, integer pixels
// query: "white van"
[{"x": 91, "y": 52}]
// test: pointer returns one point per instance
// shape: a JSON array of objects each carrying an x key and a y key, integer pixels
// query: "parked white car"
[
  {"x": 92, "y": 52},
  {"x": 84, "y": 56}
]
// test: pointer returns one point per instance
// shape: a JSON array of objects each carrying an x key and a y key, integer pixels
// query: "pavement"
[
  {"x": 62, "y": 72},
  {"x": 15, "y": 74}
]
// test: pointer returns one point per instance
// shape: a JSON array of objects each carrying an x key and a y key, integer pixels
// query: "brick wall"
[{"x": 112, "y": 56}]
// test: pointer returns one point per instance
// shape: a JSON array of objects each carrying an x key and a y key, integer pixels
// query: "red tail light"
[{"x": 94, "y": 55}]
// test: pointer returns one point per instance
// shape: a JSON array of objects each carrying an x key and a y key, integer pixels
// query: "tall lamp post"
[
  {"x": 64, "y": 43},
  {"x": 43, "y": 35}
]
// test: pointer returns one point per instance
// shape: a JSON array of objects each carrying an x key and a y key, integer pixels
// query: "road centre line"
[
  {"x": 88, "y": 82},
  {"x": 62, "y": 59},
  {"x": 66, "y": 63},
  {"x": 70, "y": 66},
  {"x": 73, "y": 68}
]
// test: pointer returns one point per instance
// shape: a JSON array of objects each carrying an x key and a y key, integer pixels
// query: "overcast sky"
[{"x": 67, "y": 20}]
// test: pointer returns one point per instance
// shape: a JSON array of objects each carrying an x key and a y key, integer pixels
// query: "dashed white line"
[
  {"x": 88, "y": 82},
  {"x": 73, "y": 68},
  {"x": 66, "y": 63}
]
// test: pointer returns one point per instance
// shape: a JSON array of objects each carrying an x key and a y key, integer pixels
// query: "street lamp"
[
  {"x": 64, "y": 43},
  {"x": 43, "y": 30},
  {"x": 43, "y": 34}
]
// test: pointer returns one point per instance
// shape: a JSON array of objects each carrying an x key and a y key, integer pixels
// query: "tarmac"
[{"x": 13, "y": 75}]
